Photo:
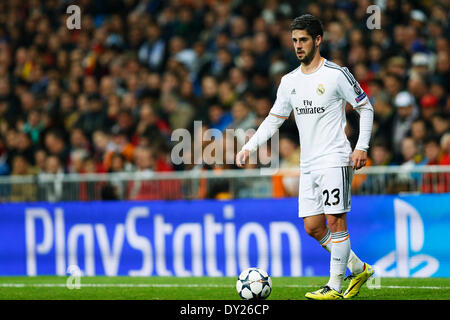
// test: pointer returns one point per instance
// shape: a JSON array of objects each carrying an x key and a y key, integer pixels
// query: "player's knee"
[
  {"x": 314, "y": 231},
  {"x": 337, "y": 223}
]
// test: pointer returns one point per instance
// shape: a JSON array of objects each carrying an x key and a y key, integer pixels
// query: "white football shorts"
[{"x": 325, "y": 191}]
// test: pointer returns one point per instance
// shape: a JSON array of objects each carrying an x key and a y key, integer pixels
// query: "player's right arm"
[{"x": 277, "y": 115}]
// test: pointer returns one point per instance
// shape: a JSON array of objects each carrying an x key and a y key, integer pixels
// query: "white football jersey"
[{"x": 318, "y": 102}]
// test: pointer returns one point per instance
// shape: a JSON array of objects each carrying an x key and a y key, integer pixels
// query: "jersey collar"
[{"x": 317, "y": 69}]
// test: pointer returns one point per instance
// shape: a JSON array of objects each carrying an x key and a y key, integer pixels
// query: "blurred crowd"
[{"x": 107, "y": 97}]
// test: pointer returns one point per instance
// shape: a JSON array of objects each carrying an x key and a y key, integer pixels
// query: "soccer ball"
[{"x": 254, "y": 284}]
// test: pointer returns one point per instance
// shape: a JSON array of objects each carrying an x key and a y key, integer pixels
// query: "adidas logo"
[
  {"x": 293, "y": 91},
  {"x": 336, "y": 259}
]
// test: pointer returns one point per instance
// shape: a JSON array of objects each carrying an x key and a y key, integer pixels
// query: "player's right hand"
[{"x": 242, "y": 157}]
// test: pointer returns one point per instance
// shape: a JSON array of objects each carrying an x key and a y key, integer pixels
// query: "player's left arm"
[
  {"x": 351, "y": 91},
  {"x": 359, "y": 156}
]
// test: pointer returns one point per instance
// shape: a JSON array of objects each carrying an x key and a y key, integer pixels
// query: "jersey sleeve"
[
  {"x": 350, "y": 90},
  {"x": 282, "y": 107}
]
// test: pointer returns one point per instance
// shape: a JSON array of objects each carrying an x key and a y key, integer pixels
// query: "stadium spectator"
[
  {"x": 4, "y": 167},
  {"x": 120, "y": 142},
  {"x": 430, "y": 107},
  {"x": 146, "y": 161},
  {"x": 89, "y": 190},
  {"x": 410, "y": 152},
  {"x": 226, "y": 95},
  {"x": 78, "y": 140},
  {"x": 290, "y": 158},
  {"x": 392, "y": 84},
  {"x": 411, "y": 157},
  {"x": 76, "y": 160},
  {"x": 419, "y": 130},
  {"x": 56, "y": 145},
  {"x": 243, "y": 119},
  {"x": 24, "y": 146},
  {"x": 218, "y": 118},
  {"x": 434, "y": 182},
  {"x": 445, "y": 158},
  {"x": 40, "y": 156},
  {"x": 417, "y": 86},
  {"x": 68, "y": 111},
  {"x": 93, "y": 117},
  {"x": 51, "y": 186},
  {"x": 383, "y": 118},
  {"x": 129, "y": 78},
  {"x": 34, "y": 125},
  {"x": 443, "y": 66},
  {"x": 405, "y": 114},
  {"x": 177, "y": 113},
  {"x": 152, "y": 51},
  {"x": 440, "y": 124},
  {"x": 379, "y": 156},
  {"x": 239, "y": 81},
  {"x": 21, "y": 192},
  {"x": 445, "y": 145}
]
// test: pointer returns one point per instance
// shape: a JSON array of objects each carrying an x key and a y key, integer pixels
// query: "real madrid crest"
[{"x": 320, "y": 89}]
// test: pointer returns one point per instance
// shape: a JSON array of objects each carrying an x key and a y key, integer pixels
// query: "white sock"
[
  {"x": 325, "y": 242},
  {"x": 355, "y": 265},
  {"x": 340, "y": 251}
]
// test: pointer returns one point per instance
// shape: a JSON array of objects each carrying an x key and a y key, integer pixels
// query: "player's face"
[{"x": 304, "y": 45}]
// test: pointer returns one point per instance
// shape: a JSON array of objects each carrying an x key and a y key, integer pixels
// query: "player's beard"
[{"x": 308, "y": 58}]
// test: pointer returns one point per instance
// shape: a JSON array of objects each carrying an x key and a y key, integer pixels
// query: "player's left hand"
[{"x": 359, "y": 159}]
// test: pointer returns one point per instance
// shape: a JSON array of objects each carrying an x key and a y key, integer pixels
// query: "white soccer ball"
[{"x": 254, "y": 284}]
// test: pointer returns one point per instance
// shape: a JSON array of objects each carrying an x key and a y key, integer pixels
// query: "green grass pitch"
[{"x": 204, "y": 288}]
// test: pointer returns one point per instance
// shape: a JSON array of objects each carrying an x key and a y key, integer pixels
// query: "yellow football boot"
[
  {"x": 357, "y": 280},
  {"x": 324, "y": 293}
]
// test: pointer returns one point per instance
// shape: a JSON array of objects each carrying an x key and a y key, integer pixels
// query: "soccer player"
[{"x": 317, "y": 92}]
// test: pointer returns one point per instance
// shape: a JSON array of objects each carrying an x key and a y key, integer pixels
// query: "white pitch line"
[
  {"x": 383, "y": 287},
  {"x": 167, "y": 285},
  {"x": 408, "y": 287},
  {"x": 113, "y": 285}
]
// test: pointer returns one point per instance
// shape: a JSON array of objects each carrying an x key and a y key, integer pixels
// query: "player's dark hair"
[{"x": 310, "y": 23}]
